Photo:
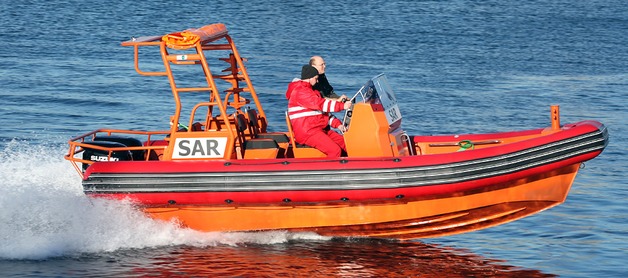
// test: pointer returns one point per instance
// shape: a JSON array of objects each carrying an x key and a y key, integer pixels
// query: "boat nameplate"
[{"x": 205, "y": 147}]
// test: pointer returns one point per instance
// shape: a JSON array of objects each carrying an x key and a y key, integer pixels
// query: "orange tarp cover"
[{"x": 188, "y": 38}]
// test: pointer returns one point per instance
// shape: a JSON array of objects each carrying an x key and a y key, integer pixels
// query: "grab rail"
[
  {"x": 79, "y": 143},
  {"x": 454, "y": 144}
]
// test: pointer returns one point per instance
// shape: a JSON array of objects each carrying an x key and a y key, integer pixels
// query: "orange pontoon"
[{"x": 217, "y": 168}]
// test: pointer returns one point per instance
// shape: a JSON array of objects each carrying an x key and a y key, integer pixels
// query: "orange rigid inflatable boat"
[{"x": 218, "y": 168}]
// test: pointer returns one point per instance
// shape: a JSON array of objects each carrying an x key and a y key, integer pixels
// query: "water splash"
[{"x": 45, "y": 213}]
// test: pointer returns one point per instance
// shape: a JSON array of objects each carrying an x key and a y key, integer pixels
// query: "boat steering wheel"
[{"x": 349, "y": 112}]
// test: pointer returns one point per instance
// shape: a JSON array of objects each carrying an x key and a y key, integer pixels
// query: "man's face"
[{"x": 319, "y": 64}]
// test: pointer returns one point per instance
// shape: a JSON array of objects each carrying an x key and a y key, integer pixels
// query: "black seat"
[
  {"x": 252, "y": 143},
  {"x": 279, "y": 137}
]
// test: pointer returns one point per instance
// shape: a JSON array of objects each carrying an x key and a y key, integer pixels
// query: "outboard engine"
[
  {"x": 127, "y": 141},
  {"x": 100, "y": 155},
  {"x": 113, "y": 142}
]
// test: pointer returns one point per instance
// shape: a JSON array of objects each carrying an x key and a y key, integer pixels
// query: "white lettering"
[
  {"x": 200, "y": 147},
  {"x": 102, "y": 158}
]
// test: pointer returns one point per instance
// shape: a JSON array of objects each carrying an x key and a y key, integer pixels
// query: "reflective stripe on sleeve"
[{"x": 328, "y": 105}]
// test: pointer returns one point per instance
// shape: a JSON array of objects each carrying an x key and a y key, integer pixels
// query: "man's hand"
[
  {"x": 342, "y": 98},
  {"x": 347, "y": 105},
  {"x": 342, "y": 128}
]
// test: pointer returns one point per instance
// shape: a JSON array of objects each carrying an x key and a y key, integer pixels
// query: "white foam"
[{"x": 45, "y": 213}]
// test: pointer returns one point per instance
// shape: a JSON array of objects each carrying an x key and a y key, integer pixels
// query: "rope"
[{"x": 465, "y": 145}]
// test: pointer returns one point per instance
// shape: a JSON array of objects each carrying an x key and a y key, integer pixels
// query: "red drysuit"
[{"x": 310, "y": 116}]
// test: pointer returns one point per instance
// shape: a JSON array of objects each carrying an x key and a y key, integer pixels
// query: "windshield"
[{"x": 378, "y": 91}]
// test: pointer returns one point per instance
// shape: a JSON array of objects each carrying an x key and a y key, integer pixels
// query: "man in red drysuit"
[{"x": 310, "y": 115}]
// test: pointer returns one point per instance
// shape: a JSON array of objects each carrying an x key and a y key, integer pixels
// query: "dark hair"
[{"x": 308, "y": 72}]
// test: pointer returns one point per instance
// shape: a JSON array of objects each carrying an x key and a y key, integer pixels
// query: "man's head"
[
  {"x": 318, "y": 63},
  {"x": 309, "y": 74}
]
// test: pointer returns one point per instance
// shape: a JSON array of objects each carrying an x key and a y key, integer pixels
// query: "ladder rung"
[
  {"x": 217, "y": 47},
  {"x": 183, "y": 57},
  {"x": 231, "y": 70},
  {"x": 185, "y": 62},
  {"x": 228, "y": 60},
  {"x": 238, "y": 90},
  {"x": 229, "y": 77},
  {"x": 193, "y": 89}
]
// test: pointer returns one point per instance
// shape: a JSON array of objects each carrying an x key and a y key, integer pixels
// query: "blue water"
[{"x": 457, "y": 66}]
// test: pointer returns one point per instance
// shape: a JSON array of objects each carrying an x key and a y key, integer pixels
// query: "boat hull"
[
  {"x": 401, "y": 197},
  {"x": 394, "y": 218}
]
